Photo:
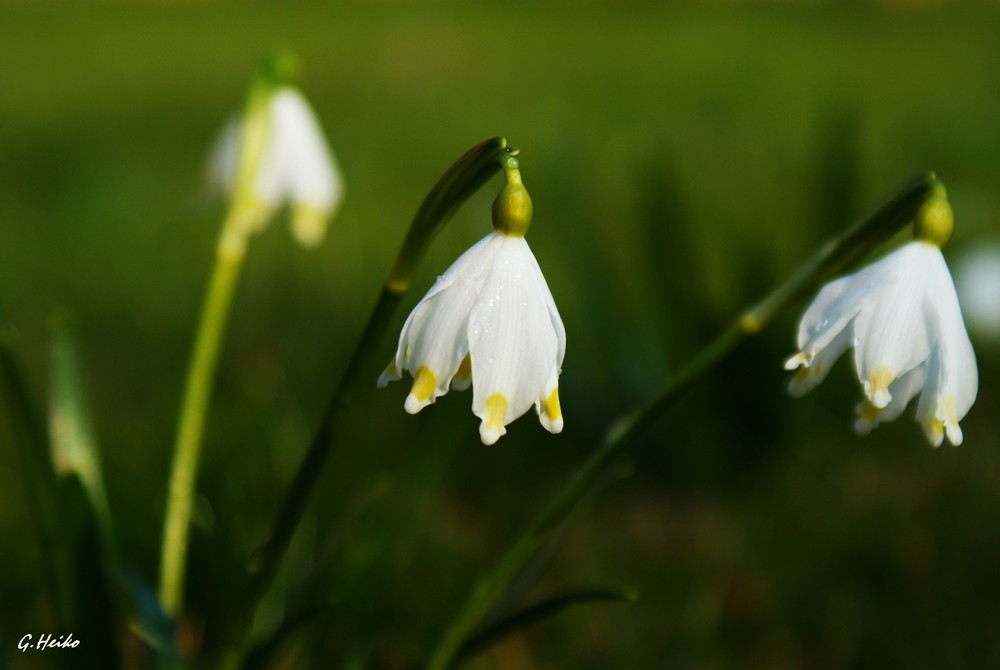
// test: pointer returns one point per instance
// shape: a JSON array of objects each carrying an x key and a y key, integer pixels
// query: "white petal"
[
  {"x": 548, "y": 407},
  {"x": 392, "y": 372},
  {"x": 304, "y": 167},
  {"x": 891, "y": 333},
  {"x": 513, "y": 341},
  {"x": 953, "y": 378},
  {"x": 433, "y": 341},
  {"x": 554, "y": 317},
  {"x": 903, "y": 389},
  {"x": 827, "y": 327},
  {"x": 834, "y": 307},
  {"x": 813, "y": 370},
  {"x": 220, "y": 169}
]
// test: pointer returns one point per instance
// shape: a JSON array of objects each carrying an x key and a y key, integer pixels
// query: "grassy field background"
[{"x": 682, "y": 159}]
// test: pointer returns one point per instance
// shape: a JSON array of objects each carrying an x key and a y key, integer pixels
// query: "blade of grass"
[
  {"x": 69, "y": 538},
  {"x": 77, "y": 464},
  {"x": 24, "y": 425},
  {"x": 71, "y": 433},
  {"x": 533, "y": 615}
]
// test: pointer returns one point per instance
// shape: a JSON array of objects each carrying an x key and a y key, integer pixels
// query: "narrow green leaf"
[
  {"x": 532, "y": 615},
  {"x": 64, "y": 520},
  {"x": 20, "y": 417},
  {"x": 76, "y": 462},
  {"x": 93, "y": 617},
  {"x": 71, "y": 434}
]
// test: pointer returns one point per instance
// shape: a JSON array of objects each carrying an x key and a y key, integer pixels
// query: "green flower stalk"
[{"x": 274, "y": 153}]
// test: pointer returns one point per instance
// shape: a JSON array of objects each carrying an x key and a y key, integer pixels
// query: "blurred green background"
[{"x": 682, "y": 159}]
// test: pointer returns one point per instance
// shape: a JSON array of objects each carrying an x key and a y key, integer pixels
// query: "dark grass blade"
[
  {"x": 22, "y": 425},
  {"x": 71, "y": 433},
  {"x": 533, "y": 615}
]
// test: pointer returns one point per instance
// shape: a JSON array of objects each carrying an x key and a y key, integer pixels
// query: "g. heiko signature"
[{"x": 47, "y": 641}]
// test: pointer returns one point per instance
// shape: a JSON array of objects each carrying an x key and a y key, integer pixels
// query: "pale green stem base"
[{"x": 191, "y": 424}]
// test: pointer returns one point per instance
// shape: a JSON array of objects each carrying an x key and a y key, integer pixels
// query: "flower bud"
[
  {"x": 512, "y": 206},
  {"x": 934, "y": 220}
]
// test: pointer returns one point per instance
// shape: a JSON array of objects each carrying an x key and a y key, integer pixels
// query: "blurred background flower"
[{"x": 977, "y": 279}]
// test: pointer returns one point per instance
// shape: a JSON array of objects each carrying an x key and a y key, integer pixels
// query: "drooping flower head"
[
  {"x": 275, "y": 153},
  {"x": 901, "y": 316},
  {"x": 490, "y": 322}
]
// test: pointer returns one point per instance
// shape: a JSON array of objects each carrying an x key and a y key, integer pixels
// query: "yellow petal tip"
[
  {"x": 308, "y": 225},
  {"x": 877, "y": 387},
  {"x": 492, "y": 427},
  {"x": 550, "y": 413},
  {"x": 422, "y": 391}
]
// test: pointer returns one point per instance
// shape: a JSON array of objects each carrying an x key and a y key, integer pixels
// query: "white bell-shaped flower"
[
  {"x": 489, "y": 321},
  {"x": 291, "y": 162},
  {"x": 902, "y": 317}
]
